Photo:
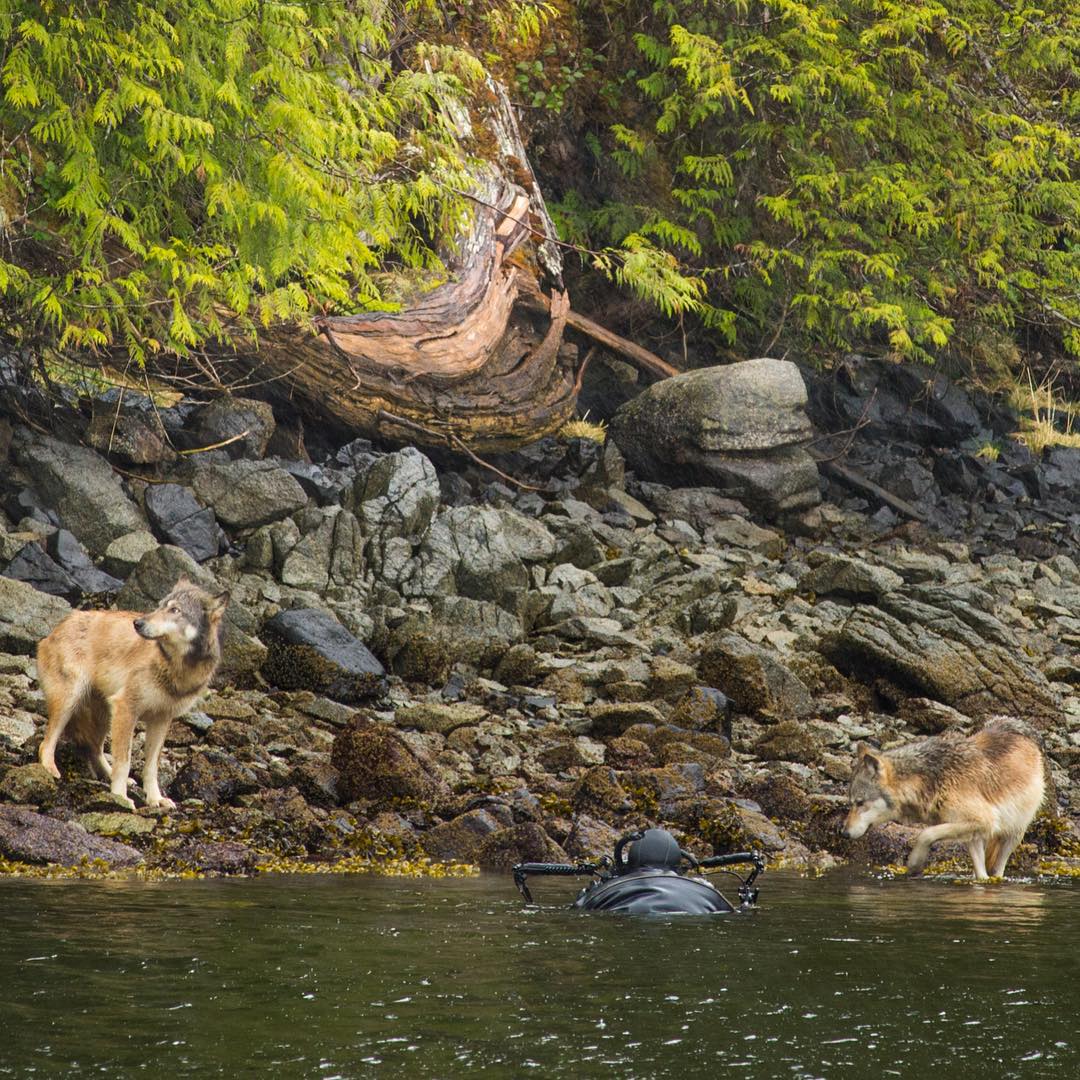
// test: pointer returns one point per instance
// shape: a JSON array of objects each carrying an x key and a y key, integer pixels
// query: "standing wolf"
[
  {"x": 101, "y": 671},
  {"x": 983, "y": 790}
]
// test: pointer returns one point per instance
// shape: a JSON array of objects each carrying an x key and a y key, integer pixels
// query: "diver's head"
[{"x": 656, "y": 850}]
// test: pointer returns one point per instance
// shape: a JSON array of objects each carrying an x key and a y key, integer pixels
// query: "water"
[{"x": 358, "y": 976}]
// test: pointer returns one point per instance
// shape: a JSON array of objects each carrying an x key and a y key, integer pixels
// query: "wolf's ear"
[
  {"x": 865, "y": 756},
  {"x": 183, "y": 582},
  {"x": 216, "y": 608}
]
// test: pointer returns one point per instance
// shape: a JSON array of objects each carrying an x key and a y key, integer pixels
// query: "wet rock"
[
  {"x": 518, "y": 666},
  {"x": 29, "y": 784},
  {"x": 322, "y": 482},
  {"x": 81, "y": 486},
  {"x": 311, "y": 650},
  {"x": 526, "y": 842},
  {"x": 17, "y": 728},
  {"x": 787, "y": 741},
  {"x": 753, "y": 678},
  {"x": 703, "y": 708},
  {"x": 227, "y": 417},
  {"x": 590, "y": 838},
  {"x": 124, "y": 553},
  {"x": 613, "y": 719},
  {"x": 460, "y": 840},
  {"x": 599, "y": 790},
  {"x": 708, "y": 614},
  {"x": 317, "y": 782},
  {"x": 245, "y": 494},
  {"x": 930, "y": 717},
  {"x": 122, "y": 826},
  {"x": 845, "y": 576},
  {"x": 737, "y": 532},
  {"x": 217, "y": 857},
  {"x": 29, "y": 837},
  {"x": 574, "y": 591},
  {"x": 159, "y": 570},
  {"x": 68, "y": 553},
  {"x": 133, "y": 435},
  {"x": 438, "y": 717},
  {"x": 33, "y": 567},
  {"x": 736, "y": 428},
  {"x": 214, "y": 777},
  {"x": 179, "y": 519},
  {"x": 374, "y": 763},
  {"x": 930, "y": 652},
  {"x": 669, "y": 679},
  {"x": 26, "y": 615},
  {"x": 701, "y": 508}
]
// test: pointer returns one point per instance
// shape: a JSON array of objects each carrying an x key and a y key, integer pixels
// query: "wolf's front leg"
[
  {"x": 950, "y": 830},
  {"x": 156, "y": 730},
  {"x": 122, "y": 729}
]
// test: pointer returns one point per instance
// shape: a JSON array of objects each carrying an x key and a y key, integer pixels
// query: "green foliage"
[
  {"x": 839, "y": 171},
  {"x": 168, "y": 171}
]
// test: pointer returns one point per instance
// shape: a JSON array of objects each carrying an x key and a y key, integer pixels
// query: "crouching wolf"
[
  {"x": 983, "y": 790},
  {"x": 101, "y": 671}
]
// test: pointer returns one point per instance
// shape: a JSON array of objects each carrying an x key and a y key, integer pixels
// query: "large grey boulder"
[
  {"x": 228, "y": 417},
  {"x": 30, "y": 837},
  {"x": 80, "y": 486},
  {"x": 245, "y": 494},
  {"x": 26, "y": 615},
  {"x": 738, "y": 428},
  {"x": 397, "y": 496}
]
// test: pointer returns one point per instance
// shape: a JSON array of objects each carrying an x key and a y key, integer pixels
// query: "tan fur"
[
  {"x": 100, "y": 675},
  {"x": 983, "y": 790}
]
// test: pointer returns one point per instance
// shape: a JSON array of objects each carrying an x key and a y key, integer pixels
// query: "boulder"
[
  {"x": 375, "y": 763},
  {"x": 930, "y": 651},
  {"x": 439, "y": 717},
  {"x": 845, "y": 576},
  {"x": 396, "y": 496},
  {"x": 213, "y": 776},
  {"x": 33, "y": 566},
  {"x": 245, "y": 494},
  {"x": 29, "y": 837},
  {"x": 227, "y": 417},
  {"x": 179, "y": 519},
  {"x": 317, "y": 782},
  {"x": 311, "y": 650},
  {"x": 526, "y": 842},
  {"x": 26, "y": 615},
  {"x": 737, "y": 428},
  {"x": 460, "y": 840},
  {"x": 133, "y": 435},
  {"x": 72, "y": 557},
  {"x": 753, "y": 677},
  {"x": 216, "y": 857},
  {"x": 117, "y": 823},
  {"x": 787, "y": 741},
  {"x": 81, "y": 486},
  {"x": 30, "y": 784},
  {"x": 124, "y": 553}
]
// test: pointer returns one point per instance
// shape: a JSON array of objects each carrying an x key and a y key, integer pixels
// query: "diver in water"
[{"x": 649, "y": 874}]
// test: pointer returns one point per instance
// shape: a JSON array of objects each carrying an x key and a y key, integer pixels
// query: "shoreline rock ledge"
[{"x": 741, "y": 428}]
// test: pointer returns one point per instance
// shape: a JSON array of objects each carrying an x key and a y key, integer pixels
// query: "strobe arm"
[
  {"x": 522, "y": 870},
  {"x": 747, "y": 893}
]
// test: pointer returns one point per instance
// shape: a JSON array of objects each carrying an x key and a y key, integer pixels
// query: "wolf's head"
[
  {"x": 187, "y": 622},
  {"x": 869, "y": 793}
]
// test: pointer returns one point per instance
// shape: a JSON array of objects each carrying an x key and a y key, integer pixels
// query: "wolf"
[
  {"x": 983, "y": 790},
  {"x": 101, "y": 671}
]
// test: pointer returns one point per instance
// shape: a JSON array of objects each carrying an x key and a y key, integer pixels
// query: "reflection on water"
[{"x": 351, "y": 977}]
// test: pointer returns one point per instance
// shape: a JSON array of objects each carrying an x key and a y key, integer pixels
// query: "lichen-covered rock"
[
  {"x": 30, "y": 837},
  {"x": 846, "y": 576},
  {"x": 317, "y": 782},
  {"x": 374, "y": 763},
  {"x": 245, "y": 494},
  {"x": 931, "y": 652},
  {"x": 703, "y": 708},
  {"x": 311, "y": 650},
  {"x": 753, "y": 677},
  {"x": 227, "y": 417},
  {"x": 117, "y": 824},
  {"x": 216, "y": 857},
  {"x": 599, "y": 791},
  {"x": 31, "y": 784},
  {"x": 133, "y": 435},
  {"x": 526, "y": 842},
  {"x": 213, "y": 776},
  {"x": 461, "y": 839},
  {"x": 396, "y": 496},
  {"x": 81, "y": 486},
  {"x": 439, "y": 717},
  {"x": 26, "y": 615},
  {"x": 737, "y": 428},
  {"x": 788, "y": 741},
  {"x": 124, "y": 553},
  {"x": 610, "y": 719}
]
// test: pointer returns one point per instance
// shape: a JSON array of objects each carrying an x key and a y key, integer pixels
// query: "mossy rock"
[{"x": 374, "y": 763}]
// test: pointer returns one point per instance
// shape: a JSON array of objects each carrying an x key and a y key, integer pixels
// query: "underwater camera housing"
[{"x": 649, "y": 874}]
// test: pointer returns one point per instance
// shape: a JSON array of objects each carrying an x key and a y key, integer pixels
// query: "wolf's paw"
[
  {"x": 123, "y": 800},
  {"x": 52, "y": 769},
  {"x": 914, "y": 870},
  {"x": 161, "y": 803}
]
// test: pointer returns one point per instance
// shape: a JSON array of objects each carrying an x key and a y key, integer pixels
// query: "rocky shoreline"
[{"x": 427, "y": 667}]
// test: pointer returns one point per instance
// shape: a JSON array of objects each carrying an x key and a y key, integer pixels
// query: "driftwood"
[{"x": 475, "y": 363}]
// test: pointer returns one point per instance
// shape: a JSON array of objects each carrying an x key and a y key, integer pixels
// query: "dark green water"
[{"x": 357, "y": 976}]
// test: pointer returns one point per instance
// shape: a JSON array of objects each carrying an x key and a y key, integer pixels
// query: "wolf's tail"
[{"x": 1017, "y": 727}]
